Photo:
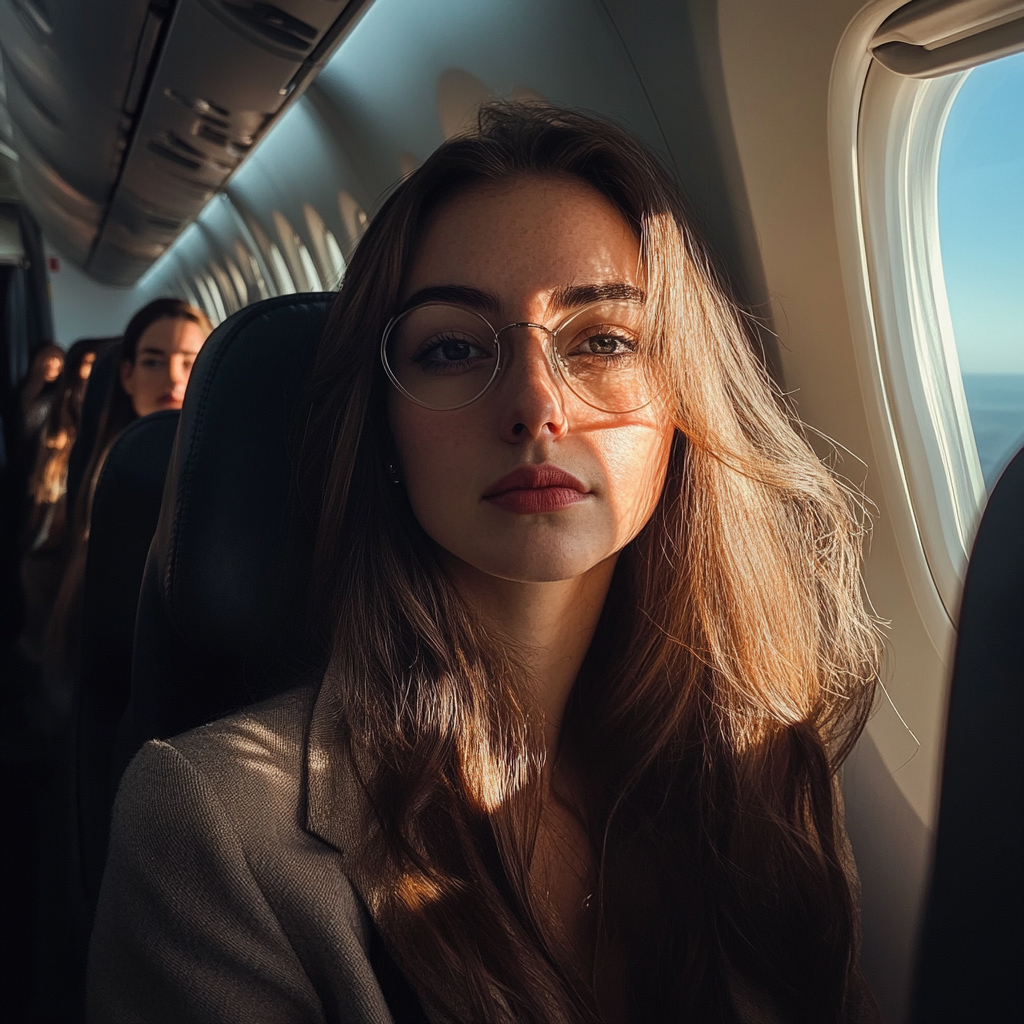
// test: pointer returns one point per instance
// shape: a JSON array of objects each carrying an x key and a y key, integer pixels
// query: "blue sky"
[{"x": 981, "y": 217}]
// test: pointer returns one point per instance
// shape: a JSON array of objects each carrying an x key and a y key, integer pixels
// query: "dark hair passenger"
[
  {"x": 157, "y": 351},
  {"x": 598, "y": 648},
  {"x": 47, "y": 534},
  {"x": 155, "y": 359}
]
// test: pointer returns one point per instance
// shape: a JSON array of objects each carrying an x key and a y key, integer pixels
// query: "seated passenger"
[
  {"x": 599, "y": 649},
  {"x": 46, "y": 543},
  {"x": 156, "y": 354},
  {"x": 159, "y": 346},
  {"x": 37, "y": 392}
]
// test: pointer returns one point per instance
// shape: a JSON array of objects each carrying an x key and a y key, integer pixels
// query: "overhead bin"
[
  {"x": 67, "y": 68},
  {"x": 187, "y": 89}
]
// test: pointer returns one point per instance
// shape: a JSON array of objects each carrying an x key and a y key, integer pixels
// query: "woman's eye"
[
  {"x": 152, "y": 364},
  {"x": 604, "y": 343},
  {"x": 447, "y": 353}
]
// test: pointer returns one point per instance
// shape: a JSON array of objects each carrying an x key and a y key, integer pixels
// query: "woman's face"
[
  {"x": 85, "y": 366},
  {"x": 163, "y": 361},
  {"x": 524, "y": 249}
]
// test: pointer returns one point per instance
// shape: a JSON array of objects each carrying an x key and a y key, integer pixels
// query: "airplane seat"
[
  {"x": 96, "y": 392},
  {"x": 125, "y": 509},
  {"x": 222, "y": 611},
  {"x": 972, "y": 942}
]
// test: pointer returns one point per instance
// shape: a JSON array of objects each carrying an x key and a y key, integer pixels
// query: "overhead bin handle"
[{"x": 929, "y": 38}]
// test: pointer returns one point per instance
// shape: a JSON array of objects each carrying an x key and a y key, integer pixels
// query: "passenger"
[
  {"x": 37, "y": 392},
  {"x": 599, "y": 648},
  {"x": 159, "y": 346},
  {"x": 156, "y": 354},
  {"x": 46, "y": 546}
]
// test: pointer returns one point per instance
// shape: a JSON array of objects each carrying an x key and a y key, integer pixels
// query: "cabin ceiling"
[{"x": 127, "y": 116}]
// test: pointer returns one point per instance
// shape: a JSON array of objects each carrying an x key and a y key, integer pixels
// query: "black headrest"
[
  {"x": 222, "y": 613},
  {"x": 125, "y": 509},
  {"x": 972, "y": 942},
  {"x": 96, "y": 392}
]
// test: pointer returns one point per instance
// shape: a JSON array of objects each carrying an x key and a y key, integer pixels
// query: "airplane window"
[
  {"x": 352, "y": 216},
  {"x": 216, "y": 297},
  {"x": 325, "y": 248},
  {"x": 939, "y": 166},
  {"x": 252, "y": 273},
  {"x": 206, "y": 303},
  {"x": 239, "y": 282},
  {"x": 303, "y": 271},
  {"x": 981, "y": 230},
  {"x": 312, "y": 277},
  {"x": 232, "y": 300},
  {"x": 285, "y": 282},
  {"x": 278, "y": 279}
]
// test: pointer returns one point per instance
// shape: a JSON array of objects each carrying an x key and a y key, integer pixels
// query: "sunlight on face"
[
  {"x": 583, "y": 482},
  {"x": 163, "y": 362}
]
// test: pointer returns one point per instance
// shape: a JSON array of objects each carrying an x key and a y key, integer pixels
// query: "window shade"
[{"x": 928, "y": 38}]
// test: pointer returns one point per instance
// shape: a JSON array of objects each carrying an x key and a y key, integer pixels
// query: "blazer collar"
[{"x": 337, "y": 810}]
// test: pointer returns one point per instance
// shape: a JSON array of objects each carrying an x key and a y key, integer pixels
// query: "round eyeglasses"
[{"x": 444, "y": 356}]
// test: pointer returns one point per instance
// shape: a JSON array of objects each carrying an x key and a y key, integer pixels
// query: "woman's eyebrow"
[
  {"x": 580, "y": 294},
  {"x": 458, "y": 293}
]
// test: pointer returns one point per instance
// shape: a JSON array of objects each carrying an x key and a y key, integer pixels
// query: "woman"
[
  {"x": 47, "y": 547},
  {"x": 159, "y": 346},
  {"x": 598, "y": 649},
  {"x": 155, "y": 359}
]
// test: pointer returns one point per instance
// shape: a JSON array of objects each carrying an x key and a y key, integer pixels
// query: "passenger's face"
[
  {"x": 163, "y": 362},
  {"x": 85, "y": 367},
  {"x": 53, "y": 363},
  {"x": 523, "y": 244}
]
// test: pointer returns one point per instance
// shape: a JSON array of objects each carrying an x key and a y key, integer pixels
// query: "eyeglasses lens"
[{"x": 445, "y": 356}]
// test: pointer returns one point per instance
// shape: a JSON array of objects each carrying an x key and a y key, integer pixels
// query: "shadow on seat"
[
  {"x": 125, "y": 509},
  {"x": 972, "y": 944},
  {"x": 222, "y": 612}
]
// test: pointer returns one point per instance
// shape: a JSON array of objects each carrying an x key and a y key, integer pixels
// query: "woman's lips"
[{"x": 534, "y": 490}]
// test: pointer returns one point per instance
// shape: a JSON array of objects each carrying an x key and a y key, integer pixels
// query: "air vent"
[
  {"x": 275, "y": 25},
  {"x": 175, "y": 158}
]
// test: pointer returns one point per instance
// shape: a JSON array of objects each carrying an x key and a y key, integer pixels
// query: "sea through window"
[{"x": 981, "y": 233}]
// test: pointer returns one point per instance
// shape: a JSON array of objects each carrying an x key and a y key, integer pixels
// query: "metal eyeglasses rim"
[{"x": 497, "y": 362}]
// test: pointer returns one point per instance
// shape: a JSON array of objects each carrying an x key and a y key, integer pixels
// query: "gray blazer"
[{"x": 236, "y": 891}]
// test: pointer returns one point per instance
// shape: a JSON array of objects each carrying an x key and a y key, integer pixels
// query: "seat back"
[
  {"x": 126, "y": 506},
  {"x": 972, "y": 944},
  {"x": 222, "y": 612}
]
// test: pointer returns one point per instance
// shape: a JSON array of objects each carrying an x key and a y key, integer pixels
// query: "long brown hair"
[{"x": 733, "y": 669}]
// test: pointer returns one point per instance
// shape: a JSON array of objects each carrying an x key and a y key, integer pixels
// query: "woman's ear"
[{"x": 127, "y": 377}]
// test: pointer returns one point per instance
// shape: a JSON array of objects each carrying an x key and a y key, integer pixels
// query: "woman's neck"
[{"x": 552, "y": 624}]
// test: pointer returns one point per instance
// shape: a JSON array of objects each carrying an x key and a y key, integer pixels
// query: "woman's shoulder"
[
  {"x": 249, "y": 764},
  {"x": 216, "y": 894}
]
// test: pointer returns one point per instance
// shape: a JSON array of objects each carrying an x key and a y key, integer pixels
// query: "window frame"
[{"x": 901, "y": 125}]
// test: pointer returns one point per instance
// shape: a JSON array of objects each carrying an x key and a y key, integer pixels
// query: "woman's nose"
[
  {"x": 179, "y": 374},
  {"x": 529, "y": 392}
]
